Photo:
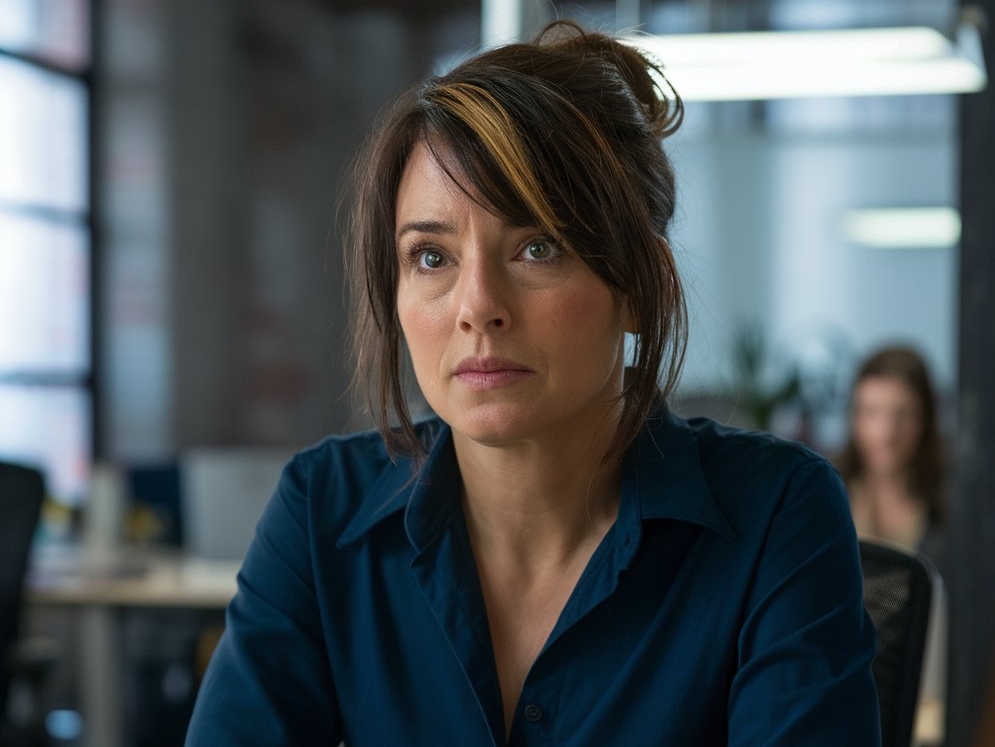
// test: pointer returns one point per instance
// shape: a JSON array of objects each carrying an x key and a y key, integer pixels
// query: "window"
[{"x": 46, "y": 395}]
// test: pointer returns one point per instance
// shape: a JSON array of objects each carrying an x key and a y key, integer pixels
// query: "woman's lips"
[{"x": 490, "y": 373}]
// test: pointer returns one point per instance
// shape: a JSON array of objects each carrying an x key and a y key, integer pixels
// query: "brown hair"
[
  {"x": 562, "y": 133},
  {"x": 928, "y": 463}
]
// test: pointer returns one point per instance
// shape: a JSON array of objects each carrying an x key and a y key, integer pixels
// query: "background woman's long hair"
[{"x": 927, "y": 471}]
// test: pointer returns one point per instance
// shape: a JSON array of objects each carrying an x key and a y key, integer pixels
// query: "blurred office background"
[{"x": 171, "y": 304}]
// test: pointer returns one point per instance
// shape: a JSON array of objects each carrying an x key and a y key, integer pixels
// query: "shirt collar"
[
  {"x": 663, "y": 472},
  {"x": 429, "y": 493}
]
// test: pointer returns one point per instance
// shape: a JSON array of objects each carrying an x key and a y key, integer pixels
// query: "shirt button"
[{"x": 533, "y": 712}]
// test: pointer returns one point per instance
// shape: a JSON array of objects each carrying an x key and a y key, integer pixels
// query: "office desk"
[{"x": 99, "y": 586}]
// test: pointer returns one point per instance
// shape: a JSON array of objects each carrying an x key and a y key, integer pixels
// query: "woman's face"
[
  {"x": 887, "y": 424},
  {"x": 513, "y": 338}
]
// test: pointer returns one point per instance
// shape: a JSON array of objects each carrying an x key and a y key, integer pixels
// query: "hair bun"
[{"x": 643, "y": 74}]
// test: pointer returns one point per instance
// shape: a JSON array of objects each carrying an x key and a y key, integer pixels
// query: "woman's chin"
[{"x": 491, "y": 433}]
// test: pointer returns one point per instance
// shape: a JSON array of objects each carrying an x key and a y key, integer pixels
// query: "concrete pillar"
[{"x": 971, "y": 564}]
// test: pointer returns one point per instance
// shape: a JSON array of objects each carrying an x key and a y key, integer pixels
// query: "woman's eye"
[
  {"x": 540, "y": 250},
  {"x": 431, "y": 259}
]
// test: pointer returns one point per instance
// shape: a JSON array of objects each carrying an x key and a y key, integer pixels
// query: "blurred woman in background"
[
  {"x": 894, "y": 469},
  {"x": 893, "y": 462}
]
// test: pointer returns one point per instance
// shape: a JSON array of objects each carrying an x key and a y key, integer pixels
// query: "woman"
[
  {"x": 553, "y": 558},
  {"x": 893, "y": 462},
  {"x": 893, "y": 467}
]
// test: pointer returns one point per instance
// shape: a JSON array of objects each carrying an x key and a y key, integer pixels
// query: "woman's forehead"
[
  {"x": 433, "y": 166},
  {"x": 886, "y": 387}
]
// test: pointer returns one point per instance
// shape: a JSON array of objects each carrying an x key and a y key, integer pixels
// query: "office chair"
[
  {"x": 898, "y": 588},
  {"x": 21, "y": 492}
]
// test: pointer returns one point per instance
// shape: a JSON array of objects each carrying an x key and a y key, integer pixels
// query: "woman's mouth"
[{"x": 490, "y": 373}]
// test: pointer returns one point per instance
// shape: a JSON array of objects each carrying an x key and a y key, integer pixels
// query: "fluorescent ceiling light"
[
  {"x": 903, "y": 228},
  {"x": 792, "y": 64}
]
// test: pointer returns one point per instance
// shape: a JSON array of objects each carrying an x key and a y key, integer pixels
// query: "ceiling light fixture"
[
  {"x": 794, "y": 64},
  {"x": 903, "y": 228}
]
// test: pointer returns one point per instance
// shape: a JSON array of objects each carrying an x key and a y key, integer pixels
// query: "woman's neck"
[
  {"x": 888, "y": 485},
  {"x": 537, "y": 504},
  {"x": 884, "y": 506},
  {"x": 536, "y": 513}
]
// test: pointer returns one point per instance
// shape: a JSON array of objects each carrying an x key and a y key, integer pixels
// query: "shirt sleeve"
[
  {"x": 806, "y": 643},
  {"x": 269, "y": 681}
]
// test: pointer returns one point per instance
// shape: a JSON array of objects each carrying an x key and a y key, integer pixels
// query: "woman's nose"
[{"x": 482, "y": 297}]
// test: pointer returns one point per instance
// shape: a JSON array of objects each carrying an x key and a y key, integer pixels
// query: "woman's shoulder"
[
  {"x": 736, "y": 460},
  {"x": 341, "y": 472},
  {"x": 757, "y": 479},
  {"x": 733, "y": 445}
]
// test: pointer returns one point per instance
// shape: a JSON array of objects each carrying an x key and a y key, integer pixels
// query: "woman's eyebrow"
[{"x": 426, "y": 226}]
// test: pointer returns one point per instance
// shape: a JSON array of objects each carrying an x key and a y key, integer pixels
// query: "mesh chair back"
[
  {"x": 898, "y": 588},
  {"x": 21, "y": 493}
]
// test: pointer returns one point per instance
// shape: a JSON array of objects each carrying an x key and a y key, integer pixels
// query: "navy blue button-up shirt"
[{"x": 724, "y": 607}]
